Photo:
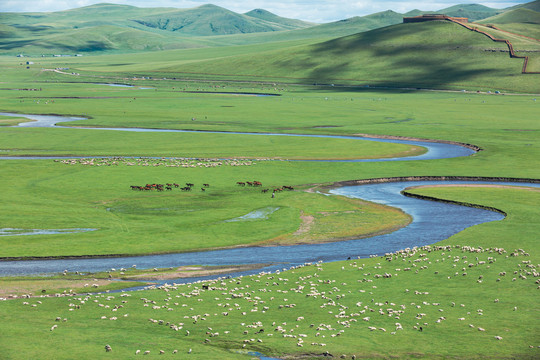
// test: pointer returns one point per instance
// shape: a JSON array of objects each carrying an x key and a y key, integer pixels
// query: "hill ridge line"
[{"x": 507, "y": 42}]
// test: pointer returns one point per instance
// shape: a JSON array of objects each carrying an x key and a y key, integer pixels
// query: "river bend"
[{"x": 432, "y": 222}]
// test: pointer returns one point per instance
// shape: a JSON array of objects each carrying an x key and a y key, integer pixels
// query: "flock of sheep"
[
  {"x": 243, "y": 312},
  {"x": 167, "y": 162}
]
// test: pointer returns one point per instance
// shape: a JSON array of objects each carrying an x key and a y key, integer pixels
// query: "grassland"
[
  {"x": 437, "y": 54},
  {"x": 452, "y": 299},
  {"x": 449, "y": 301},
  {"x": 99, "y": 197}
]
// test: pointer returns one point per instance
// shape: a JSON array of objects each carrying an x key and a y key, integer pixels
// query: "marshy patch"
[
  {"x": 259, "y": 214},
  {"x": 20, "y": 232}
]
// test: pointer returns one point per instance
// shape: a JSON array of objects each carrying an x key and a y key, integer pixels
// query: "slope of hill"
[
  {"x": 473, "y": 12},
  {"x": 320, "y": 32},
  {"x": 522, "y": 20},
  {"x": 144, "y": 28},
  {"x": 533, "y": 5},
  {"x": 519, "y": 15},
  {"x": 281, "y": 21},
  {"x": 121, "y": 28},
  {"x": 214, "y": 20},
  {"x": 437, "y": 54}
]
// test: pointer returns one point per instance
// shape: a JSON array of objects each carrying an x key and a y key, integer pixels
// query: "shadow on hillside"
[
  {"x": 89, "y": 46},
  {"x": 32, "y": 28},
  {"x": 13, "y": 44},
  {"x": 422, "y": 65}
]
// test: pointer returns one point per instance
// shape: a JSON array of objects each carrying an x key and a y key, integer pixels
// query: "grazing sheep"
[{"x": 108, "y": 348}]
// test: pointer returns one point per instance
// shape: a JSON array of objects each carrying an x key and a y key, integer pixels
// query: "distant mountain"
[
  {"x": 111, "y": 27},
  {"x": 353, "y": 25},
  {"x": 473, "y": 12},
  {"x": 280, "y": 21},
  {"x": 214, "y": 20},
  {"x": 520, "y": 15},
  {"x": 122, "y": 28},
  {"x": 428, "y": 54},
  {"x": 534, "y": 5}
]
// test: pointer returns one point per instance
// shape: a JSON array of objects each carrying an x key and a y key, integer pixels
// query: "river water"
[
  {"x": 432, "y": 222},
  {"x": 434, "y": 150}
]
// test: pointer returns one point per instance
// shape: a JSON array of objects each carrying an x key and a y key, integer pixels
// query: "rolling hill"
[
  {"x": 533, "y": 5},
  {"x": 473, "y": 12},
  {"x": 109, "y": 28},
  {"x": 436, "y": 54},
  {"x": 521, "y": 20},
  {"x": 214, "y": 20}
]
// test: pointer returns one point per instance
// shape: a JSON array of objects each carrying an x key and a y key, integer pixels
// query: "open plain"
[{"x": 232, "y": 147}]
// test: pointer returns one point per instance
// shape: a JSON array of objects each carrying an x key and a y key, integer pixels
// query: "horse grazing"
[
  {"x": 206, "y": 185},
  {"x": 241, "y": 183}
]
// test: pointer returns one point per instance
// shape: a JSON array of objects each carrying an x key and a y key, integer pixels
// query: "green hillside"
[
  {"x": 434, "y": 54},
  {"x": 520, "y": 15},
  {"x": 214, "y": 20},
  {"x": 111, "y": 28},
  {"x": 315, "y": 33},
  {"x": 521, "y": 21},
  {"x": 165, "y": 28},
  {"x": 281, "y": 21},
  {"x": 356, "y": 24},
  {"x": 473, "y": 12},
  {"x": 533, "y": 5},
  {"x": 122, "y": 28}
]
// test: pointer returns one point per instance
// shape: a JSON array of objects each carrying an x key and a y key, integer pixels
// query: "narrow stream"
[{"x": 434, "y": 150}]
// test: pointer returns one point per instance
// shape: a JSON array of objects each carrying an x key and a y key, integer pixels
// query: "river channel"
[{"x": 432, "y": 222}]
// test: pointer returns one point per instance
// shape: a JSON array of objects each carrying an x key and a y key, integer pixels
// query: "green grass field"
[
  {"x": 452, "y": 299},
  {"x": 441, "y": 302}
]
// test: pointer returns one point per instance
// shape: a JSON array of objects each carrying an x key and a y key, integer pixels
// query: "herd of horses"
[
  {"x": 168, "y": 187},
  {"x": 189, "y": 186},
  {"x": 258, "y": 183}
]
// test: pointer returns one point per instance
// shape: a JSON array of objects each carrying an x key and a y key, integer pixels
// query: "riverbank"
[{"x": 73, "y": 283}]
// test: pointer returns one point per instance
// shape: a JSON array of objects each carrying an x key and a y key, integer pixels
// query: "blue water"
[
  {"x": 432, "y": 222},
  {"x": 434, "y": 150},
  {"x": 15, "y": 232}
]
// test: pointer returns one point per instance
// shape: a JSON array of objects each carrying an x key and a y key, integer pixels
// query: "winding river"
[{"x": 432, "y": 222}]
